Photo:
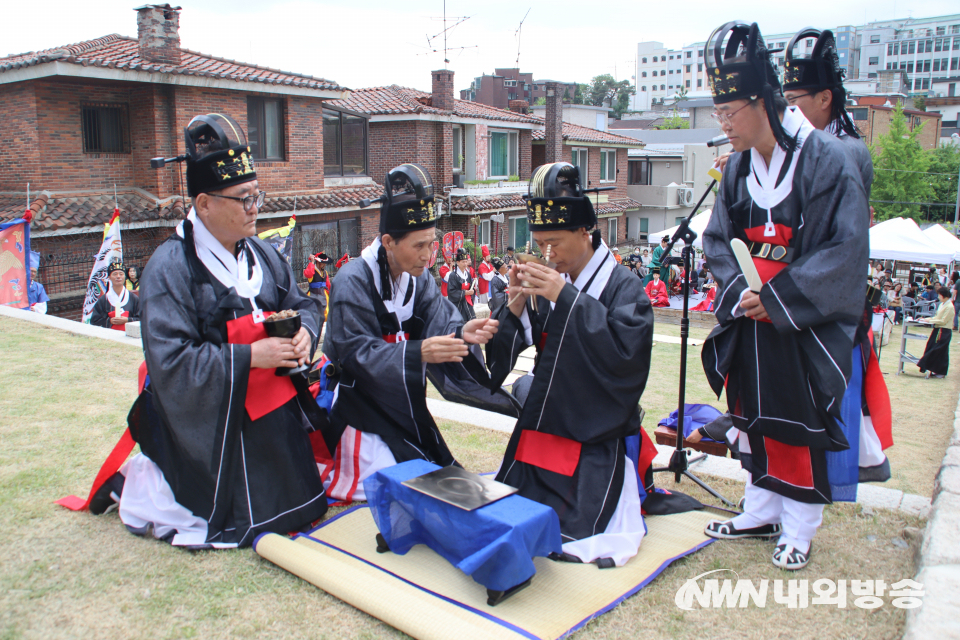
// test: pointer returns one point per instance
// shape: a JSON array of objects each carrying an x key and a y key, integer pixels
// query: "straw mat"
[{"x": 424, "y": 596}]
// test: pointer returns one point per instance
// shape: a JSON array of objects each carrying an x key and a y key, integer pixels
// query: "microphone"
[
  {"x": 719, "y": 141},
  {"x": 159, "y": 163}
]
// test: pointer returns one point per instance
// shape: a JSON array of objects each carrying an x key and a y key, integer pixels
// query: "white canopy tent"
[
  {"x": 902, "y": 239},
  {"x": 945, "y": 239},
  {"x": 698, "y": 224}
]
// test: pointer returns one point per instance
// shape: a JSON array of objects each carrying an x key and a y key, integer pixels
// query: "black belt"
[{"x": 775, "y": 252}]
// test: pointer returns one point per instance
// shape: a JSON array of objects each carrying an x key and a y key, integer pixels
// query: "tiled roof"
[
  {"x": 58, "y": 211},
  {"x": 61, "y": 211},
  {"x": 515, "y": 201},
  {"x": 576, "y": 133},
  {"x": 329, "y": 199},
  {"x": 120, "y": 52},
  {"x": 403, "y": 100}
]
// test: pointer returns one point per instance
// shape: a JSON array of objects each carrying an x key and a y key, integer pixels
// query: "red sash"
[
  {"x": 550, "y": 452},
  {"x": 266, "y": 391},
  {"x": 123, "y": 314},
  {"x": 394, "y": 338},
  {"x": 767, "y": 269}
]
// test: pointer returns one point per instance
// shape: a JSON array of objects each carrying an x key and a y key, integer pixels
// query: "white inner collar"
[
  {"x": 395, "y": 304},
  {"x": 762, "y": 181},
  {"x": 230, "y": 270}
]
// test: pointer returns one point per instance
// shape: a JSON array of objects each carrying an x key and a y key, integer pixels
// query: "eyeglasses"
[
  {"x": 248, "y": 202},
  {"x": 724, "y": 118},
  {"x": 792, "y": 100}
]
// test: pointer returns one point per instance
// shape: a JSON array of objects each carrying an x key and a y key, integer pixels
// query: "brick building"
[
  {"x": 85, "y": 119},
  {"x": 481, "y": 157},
  {"x": 874, "y": 121},
  {"x": 504, "y": 85}
]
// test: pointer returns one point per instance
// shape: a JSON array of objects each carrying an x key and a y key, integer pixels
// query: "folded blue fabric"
[
  {"x": 494, "y": 544},
  {"x": 694, "y": 417}
]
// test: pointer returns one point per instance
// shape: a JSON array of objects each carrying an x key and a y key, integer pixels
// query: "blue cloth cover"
[
  {"x": 694, "y": 417},
  {"x": 325, "y": 396},
  {"x": 843, "y": 466},
  {"x": 494, "y": 544},
  {"x": 633, "y": 452}
]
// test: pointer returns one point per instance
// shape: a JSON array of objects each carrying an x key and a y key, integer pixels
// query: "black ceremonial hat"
[
  {"x": 407, "y": 200},
  {"x": 556, "y": 199},
  {"x": 820, "y": 70},
  {"x": 743, "y": 70},
  {"x": 217, "y": 154},
  {"x": 116, "y": 265}
]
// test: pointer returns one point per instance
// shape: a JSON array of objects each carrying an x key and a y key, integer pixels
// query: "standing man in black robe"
[
  {"x": 592, "y": 326},
  {"x": 795, "y": 197},
  {"x": 226, "y": 450},
  {"x": 461, "y": 285},
  {"x": 814, "y": 84},
  {"x": 389, "y": 330}
]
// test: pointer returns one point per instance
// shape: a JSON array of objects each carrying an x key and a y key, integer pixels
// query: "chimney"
[
  {"x": 553, "y": 135},
  {"x": 519, "y": 106},
  {"x": 158, "y": 31},
  {"x": 442, "y": 90}
]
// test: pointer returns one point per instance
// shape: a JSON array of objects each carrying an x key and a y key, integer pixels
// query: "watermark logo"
[{"x": 731, "y": 594}]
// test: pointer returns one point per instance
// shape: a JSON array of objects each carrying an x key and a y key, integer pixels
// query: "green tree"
[
  {"x": 674, "y": 122},
  {"x": 580, "y": 95},
  {"x": 920, "y": 102},
  {"x": 900, "y": 171},
  {"x": 943, "y": 172},
  {"x": 603, "y": 88}
]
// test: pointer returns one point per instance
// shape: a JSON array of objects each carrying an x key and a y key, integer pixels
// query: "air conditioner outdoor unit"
[{"x": 685, "y": 196}]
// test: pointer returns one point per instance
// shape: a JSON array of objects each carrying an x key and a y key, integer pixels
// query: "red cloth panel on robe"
[
  {"x": 878, "y": 399},
  {"x": 648, "y": 451},
  {"x": 266, "y": 391},
  {"x": 110, "y": 466},
  {"x": 788, "y": 463},
  {"x": 657, "y": 292},
  {"x": 118, "y": 327},
  {"x": 548, "y": 451},
  {"x": 394, "y": 338},
  {"x": 767, "y": 269}
]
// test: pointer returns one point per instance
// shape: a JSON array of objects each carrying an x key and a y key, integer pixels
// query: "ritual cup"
[{"x": 282, "y": 325}]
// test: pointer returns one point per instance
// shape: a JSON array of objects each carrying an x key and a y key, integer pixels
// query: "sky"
[{"x": 377, "y": 42}]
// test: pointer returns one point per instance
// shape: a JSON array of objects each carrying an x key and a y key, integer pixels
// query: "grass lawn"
[{"x": 63, "y": 404}]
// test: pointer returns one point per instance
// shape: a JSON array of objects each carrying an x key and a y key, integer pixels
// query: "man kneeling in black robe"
[
  {"x": 592, "y": 325},
  {"x": 226, "y": 451}
]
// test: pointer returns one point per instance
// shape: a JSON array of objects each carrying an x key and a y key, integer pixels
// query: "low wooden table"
[{"x": 668, "y": 436}]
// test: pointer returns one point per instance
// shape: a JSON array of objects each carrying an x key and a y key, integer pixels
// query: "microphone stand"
[{"x": 679, "y": 464}]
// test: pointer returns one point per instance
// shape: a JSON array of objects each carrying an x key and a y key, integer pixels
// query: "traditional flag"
[
  {"x": 282, "y": 238},
  {"x": 14, "y": 268},
  {"x": 110, "y": 251}
]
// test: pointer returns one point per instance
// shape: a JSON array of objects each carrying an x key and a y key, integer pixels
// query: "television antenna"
[
  {"x": 517, "y": 34},
  {"x": 431, "y": 40}
]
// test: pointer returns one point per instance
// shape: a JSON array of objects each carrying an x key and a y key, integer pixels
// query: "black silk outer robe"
[
  {"x": 101, "y": 309},
  {"x": 243, "y": 476},
  {"x": 786, "y": 378},
  {"x": 593, "y": 357},
  {"x": 382, "y": 386}
]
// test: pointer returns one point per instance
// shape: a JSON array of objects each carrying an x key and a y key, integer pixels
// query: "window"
[
  {"x": 910, "y": 67},
  {"x": 643, "y": 60},
  {"x": 662, "y": 87},
  {"x": 484, "y": 232},
  {"x": 955, "y": 28},
  {"x": 926, "y": 84},
  {"x": 644, "y": 225},
  {"x": 956, "y": 44},
  {"x": 503, "y": 154},
  {"x": 579, "y": 159},
  {"x": 643, "y": 88},
  {"x": 687, "y": 68},
  {"x": 810, "y": 41},
  {"x": 688, "y": 54},
  {"x": 638, "y": 173},
  {"x": 688, "y": 84},
  {"x": 654, "y": 58},
  {"x": 936, "y": 65},
  {"x": 873, "y": 40},
  {"x": 911, "y": 46},
  {"x": 926, "y": 66},
  {"x": 916, "y": 84},
  {"x": 953, "y": 63},
  {"x": 938, "y": 44},
  {"x": 859, "y": 114},
  {"x": 518, "y": 233},
  {"x": 871, "y": 76},
  {"x": 333, "y": 238},
  {"x": 611, "y": 231},
  {"x": 921, "y": 46},
  {"x": 104, "y": 128},
  {"x": 941, "y": 31},
  {"x": 608, "y": 165},
  {"x": 457, "y": 149},
  {"x": 700, "y": 54},
  {"x": 873, "y": 61},
  {"x": 344, "y": 143},
  {"x": 643, "y": 74},
  {"x": 265, "y": 128},
  {"x": 889, "y": 66},
  {"x": 671, "y": 57},
  {"x": 699, "y": 67},
  {"x": 699, "y": 83},
  {"x": 890, "y": 49}
]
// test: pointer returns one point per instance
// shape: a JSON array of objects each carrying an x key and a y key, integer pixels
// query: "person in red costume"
[
  {"x": 444, "y": 272},
  {"x": 319, "y": 280},
  {"x": 707, "y": 303},
  {"x": 486, "y": 273},
  {"x": 657, "y": 291}
]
